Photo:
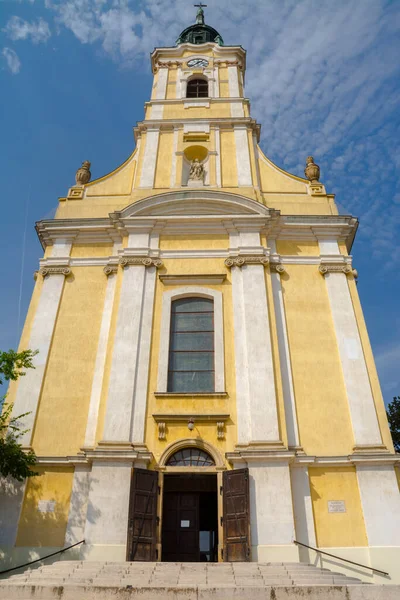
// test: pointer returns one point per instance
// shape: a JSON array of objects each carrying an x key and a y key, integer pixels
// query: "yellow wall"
[
  {"x": 188, "y": 404},
  {"x": 228, "y": 155},
  {"x": 287, "y": 247},
  {"x": 337, "y": 529},
  {"x": 46, "y": 529},
  {"x": 321, "y": 402},
  {"x": 63, "y": 407},
  {"x": 194, "y": 242},
  {"x": 91, "y": 250}
]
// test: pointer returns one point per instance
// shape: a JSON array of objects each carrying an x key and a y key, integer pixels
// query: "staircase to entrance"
[{"x": 86, "y": 580}]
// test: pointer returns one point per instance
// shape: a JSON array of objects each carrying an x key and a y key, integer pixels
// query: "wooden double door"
[{"x": 188, "y": 530}]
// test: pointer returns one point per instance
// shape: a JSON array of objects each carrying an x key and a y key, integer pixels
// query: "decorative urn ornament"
[
  {"x": 83, "y": 174},
  {"x": 312, "y": 170}
]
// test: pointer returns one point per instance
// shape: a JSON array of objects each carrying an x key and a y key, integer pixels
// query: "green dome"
[{"x": 200, "y": 33}]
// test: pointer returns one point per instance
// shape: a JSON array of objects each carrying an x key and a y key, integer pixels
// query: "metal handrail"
[
  {"x": 42, "y": 558},
  {"x": 340, "y": 558}
]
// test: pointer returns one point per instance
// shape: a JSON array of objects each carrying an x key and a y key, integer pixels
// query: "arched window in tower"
[
  {"x": 190, "y": 457},
  {"x": 197, "y": 88},
  {"x": 191, "y": 346}
]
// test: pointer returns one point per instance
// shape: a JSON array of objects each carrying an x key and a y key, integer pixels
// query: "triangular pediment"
[{"x": 195, "y": 203}]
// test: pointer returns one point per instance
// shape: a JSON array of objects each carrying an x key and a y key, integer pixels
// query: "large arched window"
[
  {"x": 191, "y": 346},
  {"x": 197, "y": 88},
  {"x": 190, "y": 457}
]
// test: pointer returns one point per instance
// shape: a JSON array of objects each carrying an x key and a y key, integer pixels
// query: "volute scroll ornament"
[
  {"x": 83, "y": 174},
  {"x": 46, "y": 271},
  {"x": 140, "y": 261},
  {"x": 312, "y": 171},
  {"x": 240, "y": 261},
  {"x": 277, "y": 268}
]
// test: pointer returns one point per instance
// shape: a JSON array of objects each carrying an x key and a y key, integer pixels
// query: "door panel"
[
  {"x": 142, "y": 520},
  {"x": 180, "y": 535},
  {"x": 236, "y": 518}
]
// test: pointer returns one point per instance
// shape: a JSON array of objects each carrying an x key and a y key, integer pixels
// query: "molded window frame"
[
  {"x": 197, "y": 77},
  {"x": 163, "y": 358}
]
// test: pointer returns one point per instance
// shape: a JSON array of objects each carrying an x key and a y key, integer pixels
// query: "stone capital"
[
  {"x": 140, "y": 261},
  {"x": 240, "y": 261},
  {"x": 55, "y": 270},
  {"x": 346, "y": 268}
]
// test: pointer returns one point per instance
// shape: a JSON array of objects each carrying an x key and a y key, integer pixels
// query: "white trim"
[
  {"x": 178, "y": 87},
  {"x": 172, "y": 182},
  {"x": 218, "y": 156},
  {"x": 150, "y": 158},
  {"x": 303, "y": 510},
  {"x": 355, "y": 373},
  {"x": 98, "y": 376},
  {"x": 242, "y": 156},
  {"x": 216, "y": 82},
  {"x": 233, "y": 82},
  {"x": 143, "y": 363},
  {"x": 75, "y": 531},
  {"x": 30, "y": 387},
  {"x": 186, "y": 292},
  {"x": 162, "y": 83},
  {"x": 284, "y": 356}
]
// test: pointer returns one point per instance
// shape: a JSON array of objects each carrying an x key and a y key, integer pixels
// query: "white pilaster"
[
  {"x": 216, "y": 82},
  {"x": 30, "y": 386},
  {"x": 143, "y": 363},
  {"x": 284, "y": 358},
  {"x": 303, "y": 512},
  {"x": 362, "y": 409},
  {"x": 242, "y": 156},
  {"x": 97, "y": 384},
  {"x": 233, "y": 82},
  {"x": 120, "y": 402},
  {"x": 150, "y": 158},
  {"x": 162, "y": 83},
  {"x": 107, "y": 511},
  {"x": 380, "y": 500},
  {"x": 172, "y": 182},
  {"x": 218, "y": 157},
  {"x": 272, "y": 521},
  {"x": 178, "y": 82},
  {"x": 255, "y": 380},
  {"x": 75, "y": 531}
]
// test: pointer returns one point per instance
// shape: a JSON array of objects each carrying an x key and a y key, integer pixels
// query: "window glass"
[
  {"x": 197, "y": 88},
  {"x": 190, "y": 457},
  {"x": 191, "y": 348}
]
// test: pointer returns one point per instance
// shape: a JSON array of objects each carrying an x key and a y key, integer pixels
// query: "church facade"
[{"x": 205, "y": 388}]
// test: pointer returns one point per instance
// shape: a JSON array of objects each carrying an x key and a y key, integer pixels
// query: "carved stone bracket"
[
  {"x": 140, "y": 261},
  {"x": 339, "y": 268},
  {"x": 240, "y": 261},
  {"x": 162, "y": 431},
  {"x": 46, "y": 271},
  {"x": 277, "y": 268},
  {"x": 110, "y": 270}
]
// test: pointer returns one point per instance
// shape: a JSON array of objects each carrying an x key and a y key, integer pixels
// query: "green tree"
[
  {"x": 393, "y": 415},
  {"x": 14, "y": 460}
]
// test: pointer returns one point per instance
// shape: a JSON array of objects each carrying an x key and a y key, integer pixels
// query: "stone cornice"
[{"x": 177, "y": 53}]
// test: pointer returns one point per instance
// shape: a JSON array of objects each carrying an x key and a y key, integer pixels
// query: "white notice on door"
[
  {"x": 46, "y": 506},
  {"x": 336, "y": 506},
  {"x": 185, "y": 523}
]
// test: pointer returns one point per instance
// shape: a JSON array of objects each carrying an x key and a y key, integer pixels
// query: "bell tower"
[{"x": 198, "y": 112}]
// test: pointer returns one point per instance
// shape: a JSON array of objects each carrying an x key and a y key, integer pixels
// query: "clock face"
[{"x": 197, "y": 62}]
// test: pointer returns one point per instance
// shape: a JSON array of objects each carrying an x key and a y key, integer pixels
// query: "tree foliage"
[
  {"x": 393, "y": 415},
  {"x": 14, "y": 461}
]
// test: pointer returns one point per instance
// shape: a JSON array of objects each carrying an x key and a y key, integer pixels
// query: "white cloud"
[
  {"x": 322, "y": 79},
  {"x": 18, "y": 29},
  {"x": 13, "y": 62}
]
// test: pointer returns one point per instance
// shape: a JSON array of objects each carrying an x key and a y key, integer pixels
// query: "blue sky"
[{"x": 322, "y": 77}]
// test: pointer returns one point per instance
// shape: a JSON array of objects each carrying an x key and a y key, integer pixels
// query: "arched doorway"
[{"x": 189, "y": 531}]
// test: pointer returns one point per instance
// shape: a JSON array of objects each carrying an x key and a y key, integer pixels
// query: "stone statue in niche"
[{"x": 196, "y": 174}]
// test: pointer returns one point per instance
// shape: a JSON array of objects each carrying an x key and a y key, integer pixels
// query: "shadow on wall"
[{"x": 45, "y": 517}]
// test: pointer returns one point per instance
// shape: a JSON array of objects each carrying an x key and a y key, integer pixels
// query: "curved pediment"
[{"x": 195, "y": 202}]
